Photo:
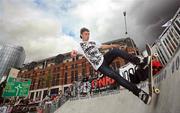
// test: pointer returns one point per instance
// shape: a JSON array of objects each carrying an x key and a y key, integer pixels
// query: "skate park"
[
  {"x": 168, "y": 101},
  {"x": 90, "y": 56}
]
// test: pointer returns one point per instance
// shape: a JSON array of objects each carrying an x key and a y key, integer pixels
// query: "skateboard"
[{"x": 152, "y": 88}]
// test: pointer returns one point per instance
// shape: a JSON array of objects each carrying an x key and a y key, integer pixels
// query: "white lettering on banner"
[{"x": 127, "y": 69}]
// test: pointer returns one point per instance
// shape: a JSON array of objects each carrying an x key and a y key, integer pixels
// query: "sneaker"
[
  {"x": 145, "y": 62},
  {"x": 144, "y": 97}
]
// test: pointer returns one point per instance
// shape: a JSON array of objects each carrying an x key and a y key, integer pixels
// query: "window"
[
  {"x": 54, "y": 70},
  {"x": 57, "y": 81},
  {"x": 32, "y": 95},
  {"x": 77, "y": 57},
  {"x": 45, "y": 93},
  {"x": 73, "y": 59},
  {"x": 33, "y": 83},
  {"x": 72, "y": 76},
  {"x": 41, "y": 83},
  {"x": 54, "y": 91},
  {"x": 83, "y": 72},
  {"x": 66, "y": 67},
  {"x": 72, "y": 66},
  {"x": 37, "y": 94},
  {"x": 58, "y": 68},
  {"x": 58, "y": 76},
  {"x": 43, "y": 73},
  {"x": 65, "y": 79},
  {"x": 91, "y": 71},
  {"x": 83, "y": 64},
  {"x": 53, "y": 82},
  {"x": 76, "y": 65},
  {"x": 76, "y": 75}
]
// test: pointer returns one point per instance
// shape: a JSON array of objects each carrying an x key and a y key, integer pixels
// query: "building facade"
[
  {"x": 10, "y": 56},
  {"x": 57, "y": 73}
]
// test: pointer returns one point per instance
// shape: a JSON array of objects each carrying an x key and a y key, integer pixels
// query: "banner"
[
  {"x": 97, "y": 84},
  {"x": 16, "y": 87},
  {"x": 127, "y": 69}
]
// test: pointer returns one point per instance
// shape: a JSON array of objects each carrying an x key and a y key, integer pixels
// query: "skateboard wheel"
[{"x": 156, "y": 90}]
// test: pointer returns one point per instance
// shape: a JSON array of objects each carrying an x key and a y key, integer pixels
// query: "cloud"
[
  {"x": 148, "y": 17},
  {"x": 46, "y": 28},
  {"x": 144, "y": 18},
  {"x": 39, "y": 33},
  {"x": 100, "y": 17}
]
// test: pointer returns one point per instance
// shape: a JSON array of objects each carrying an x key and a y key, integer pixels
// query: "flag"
[{"x": 167, "y": 24}]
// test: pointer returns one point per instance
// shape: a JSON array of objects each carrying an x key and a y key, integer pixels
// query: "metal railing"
[{"x": 169, "y": 41}]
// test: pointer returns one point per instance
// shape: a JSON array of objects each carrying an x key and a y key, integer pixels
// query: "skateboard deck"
[{"x": 151, "y": 86}]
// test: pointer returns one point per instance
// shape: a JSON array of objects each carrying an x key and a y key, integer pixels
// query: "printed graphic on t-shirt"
[{"x": 92, "y": 52}]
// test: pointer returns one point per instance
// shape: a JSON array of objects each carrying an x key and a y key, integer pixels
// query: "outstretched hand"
[{"x": 73, "y": 53}]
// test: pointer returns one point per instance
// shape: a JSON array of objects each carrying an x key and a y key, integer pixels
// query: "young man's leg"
[
  {"x": 106, "y": 70},
  {"x": 112, "y": 54}
]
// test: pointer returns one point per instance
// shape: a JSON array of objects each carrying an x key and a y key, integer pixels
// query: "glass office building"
[{"x": 11, "y": 56}]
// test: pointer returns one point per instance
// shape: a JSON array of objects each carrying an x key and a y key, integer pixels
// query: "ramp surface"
[{"x": 168, "y": 101}]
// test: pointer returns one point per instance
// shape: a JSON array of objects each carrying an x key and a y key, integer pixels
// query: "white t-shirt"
[{"x": 90, "y": 50}]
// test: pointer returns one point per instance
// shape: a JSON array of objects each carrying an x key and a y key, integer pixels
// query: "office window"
[
  {"x": 66, "y": 67},
  {"x": 76, "y": 65},
  {"x": 72, "y": 76},
  {"x": 83, "y": 72},
  {"x": 65, "y": 78},
  {"x": 76, "y": 75},
  {"x": 72, "y": 66}
]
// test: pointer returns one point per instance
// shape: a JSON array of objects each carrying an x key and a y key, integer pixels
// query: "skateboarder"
[{"x": 90, "y": 50}]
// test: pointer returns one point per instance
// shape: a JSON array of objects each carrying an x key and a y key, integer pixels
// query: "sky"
[{"x": 47, "y": 28}]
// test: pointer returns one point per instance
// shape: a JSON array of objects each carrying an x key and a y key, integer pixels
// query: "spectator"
[{"x": 156, "y": 65}]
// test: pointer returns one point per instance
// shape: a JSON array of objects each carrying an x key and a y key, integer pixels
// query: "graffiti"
[
  {"x": 97, "y": 84},
  {"x": 102, "y": 82}
]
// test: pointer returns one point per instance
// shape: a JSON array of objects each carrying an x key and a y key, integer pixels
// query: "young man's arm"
[
  {"x": 105, "y": 46},
  {"x": 74, "y": 53}
]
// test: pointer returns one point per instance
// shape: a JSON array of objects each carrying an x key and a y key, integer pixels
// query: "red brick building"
[{"x": 58, "y": 72}]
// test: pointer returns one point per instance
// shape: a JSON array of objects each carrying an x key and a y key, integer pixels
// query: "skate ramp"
[{"x": 168, "y": 101}]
